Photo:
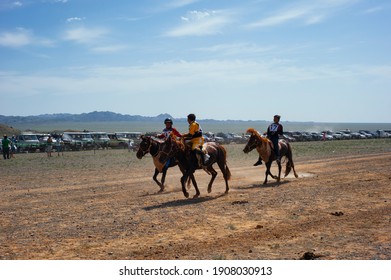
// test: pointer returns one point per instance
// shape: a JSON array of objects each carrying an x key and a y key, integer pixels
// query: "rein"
[{"x": 148, "y": 149}]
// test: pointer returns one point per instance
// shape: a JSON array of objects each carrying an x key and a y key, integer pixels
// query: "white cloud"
[
  {"x": 200, "y": 23},
  {"x": 109, "y": 49},
  {"x": 74, "y": 19},
  {"x": 373, "y": 10},
  {"x": 22, "y": 37},
  {"x": 19, "y": 38},
  {"x": 237, "y": 49},
  {"x": 180, "y": 3},
  {"x": 307, "y": 12},
  {"x": 84, "y": 35}
]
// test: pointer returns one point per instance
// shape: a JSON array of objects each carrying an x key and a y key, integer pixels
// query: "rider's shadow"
[{"x": 182, "y": 202}]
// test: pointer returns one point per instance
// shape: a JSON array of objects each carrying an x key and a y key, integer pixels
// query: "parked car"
[
  {"x": 227, "y": 138},
  {"x": 236, "y": 138},
  {"x": 123, "y": 140},
  {"x": 346, "y": 134},
  {"x": 369, "y": 134},
  {"x": 338, "y": 135},
  {"x": 288, "y": 138},
  {"x": 219, "y": 140},
  {"x": 357, "y": 135},
  {"x": 101, "y": 139},
  {"x": 71, "y": 143},
  {"x": 27, "y": 142},
  {"x": 85, "y": 138},
  {"x": 316, "y": 136},
  {"x": 327, "y": 135}
]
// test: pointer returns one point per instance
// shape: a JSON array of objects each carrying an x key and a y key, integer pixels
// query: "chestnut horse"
[
  {"x": 149, "y": 145},
  {"x": 190, "y": 163},
  {"x": 265, "y": 149}
]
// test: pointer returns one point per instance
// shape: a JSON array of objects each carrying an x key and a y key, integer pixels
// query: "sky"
[{"x": 306, "y": 60}]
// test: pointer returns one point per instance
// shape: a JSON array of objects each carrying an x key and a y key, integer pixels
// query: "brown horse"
[
  {"x": 154, "y": 147},
  {"x": 265, "y": 149},
  {"x": 189, "y": 162}
]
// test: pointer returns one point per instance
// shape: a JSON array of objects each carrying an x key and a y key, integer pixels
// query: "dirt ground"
[{"x": 338, "y": 208}]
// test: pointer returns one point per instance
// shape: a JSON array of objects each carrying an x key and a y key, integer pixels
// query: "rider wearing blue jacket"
[{"x": 273, "y": 132}]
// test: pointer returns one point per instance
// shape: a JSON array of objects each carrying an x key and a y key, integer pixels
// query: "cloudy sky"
[{"x": 307, "y": 60}]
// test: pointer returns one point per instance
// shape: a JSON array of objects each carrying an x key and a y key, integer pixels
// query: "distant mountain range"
[
  {"x": 86, "y": 117},
  {"x": 110, "y": 121}
]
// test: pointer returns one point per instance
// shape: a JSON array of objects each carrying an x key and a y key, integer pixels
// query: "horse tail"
[
  {"x": 289, "y": 163},
  {"x": 223, "y": 161},
  {"x": 227, "y": 172}
]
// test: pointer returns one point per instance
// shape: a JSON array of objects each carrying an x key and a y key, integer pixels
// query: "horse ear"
[{"x": 168, "y": 140}]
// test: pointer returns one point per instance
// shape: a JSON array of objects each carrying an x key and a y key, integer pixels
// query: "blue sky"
[{"x": 309, "y": 60}]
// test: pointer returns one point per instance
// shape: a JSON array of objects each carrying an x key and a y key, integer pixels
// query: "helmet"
[{"x": 168, "y": 120}]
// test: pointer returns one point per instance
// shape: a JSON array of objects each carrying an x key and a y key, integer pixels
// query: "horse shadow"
[
  {"x": 157, "y": 193},
  {"x": 183, "y": 202},
  {"x": 263, "y": 186}
]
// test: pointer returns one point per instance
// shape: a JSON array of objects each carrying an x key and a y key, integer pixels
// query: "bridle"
[
  {"x": 148, "y": 148},
  {"x": 254, "y": 143}
]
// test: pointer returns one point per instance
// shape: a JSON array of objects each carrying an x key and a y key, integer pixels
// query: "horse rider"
[
  {"x": 195, "y": 139},
  {"x": 274, "y": 130},
  {"x": 167, "y": 133},
  {"x": 168, "y": 130}
]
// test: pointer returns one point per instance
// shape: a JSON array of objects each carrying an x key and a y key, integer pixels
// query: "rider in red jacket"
[{"x": 168, "y": 130}]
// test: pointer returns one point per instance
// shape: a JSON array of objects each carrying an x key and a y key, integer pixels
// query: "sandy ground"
[{"x": 338, "y": 208}]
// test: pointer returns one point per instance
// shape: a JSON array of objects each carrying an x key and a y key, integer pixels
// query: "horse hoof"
[
  {"x": 196, "y": 196},
  {"x": 186, "y": 195},
  {"x": 209, "y": 190}
]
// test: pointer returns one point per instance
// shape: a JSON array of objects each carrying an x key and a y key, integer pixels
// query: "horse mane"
[{"x": 256, "y": 133}]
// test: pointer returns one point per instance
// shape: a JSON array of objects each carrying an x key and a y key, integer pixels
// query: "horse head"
[
  {"x": 144, "y": 146},
  {"x": 254, "y": 140},
  {"x": 168, "y": 149}
]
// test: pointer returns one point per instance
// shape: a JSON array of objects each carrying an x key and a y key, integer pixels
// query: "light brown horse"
[
  {"x": 189, "y": 162},
  {"x": 265, "y": 150}
]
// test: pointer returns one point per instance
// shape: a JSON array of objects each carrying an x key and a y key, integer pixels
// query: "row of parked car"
[
  {"x": 296, "y": 136},
  {"x": 75, "y": 141},
  {"x": 340, "y": 135}
]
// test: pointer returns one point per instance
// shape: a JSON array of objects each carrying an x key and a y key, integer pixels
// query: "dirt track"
[{"x": 338, "y": 208}]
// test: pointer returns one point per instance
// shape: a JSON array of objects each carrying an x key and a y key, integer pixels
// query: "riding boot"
[{"x": 259, "y": 162}]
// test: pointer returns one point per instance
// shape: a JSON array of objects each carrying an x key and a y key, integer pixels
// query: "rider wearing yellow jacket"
[
  {"x": 195, "y": 137},
  {"x": 195, "y": 133}
]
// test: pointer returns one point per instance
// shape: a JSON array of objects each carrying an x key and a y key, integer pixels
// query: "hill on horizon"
[
  {"x": 110, "y": 122},
  {"x": 96, "y": 116}
]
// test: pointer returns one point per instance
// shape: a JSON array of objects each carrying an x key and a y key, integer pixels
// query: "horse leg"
[
  {"x": 267, "y": 172},
  {"x": 156, "y": 180},
  {"x": 183, "y": 183},
  {"x": 279, "y": 171},
  {"x": 226, "y": 174},
  {"x": 195, "y": 185},
  {"x": 214, "y": 174},
  {"x": 163, "y": 179}
]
